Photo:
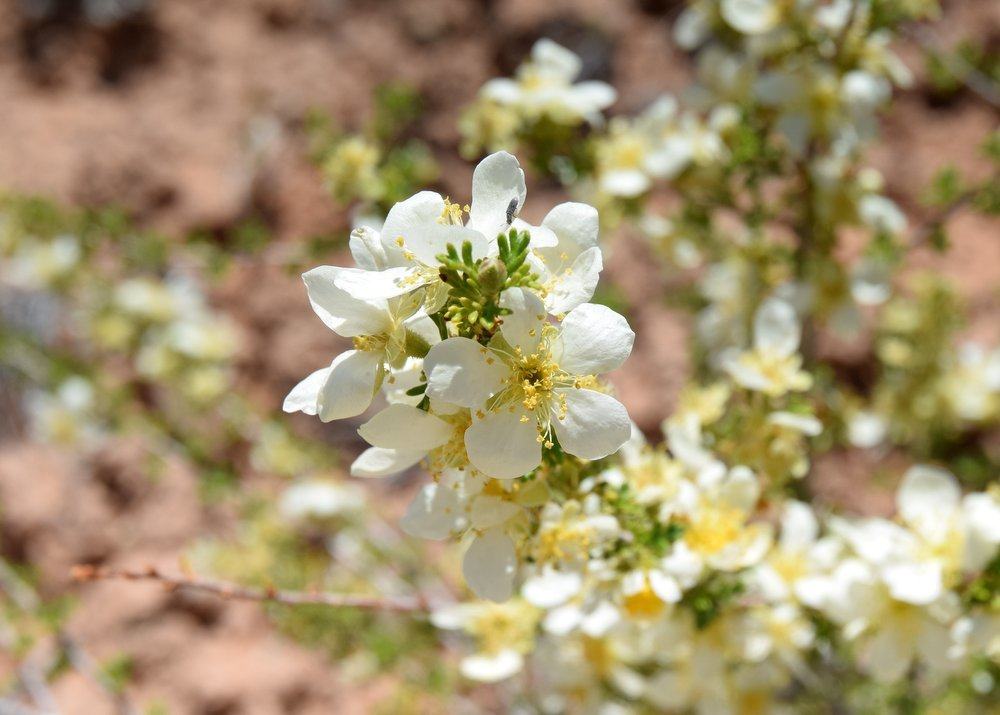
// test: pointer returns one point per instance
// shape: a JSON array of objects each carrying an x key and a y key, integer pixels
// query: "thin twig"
[
  {"x": 26, "y": 599},
  {"x": 979, "y": 83},
  {"x": 232, "y": 591},
  {"x": 85, "y": 665},
  {"x": 922, "y": 234}
]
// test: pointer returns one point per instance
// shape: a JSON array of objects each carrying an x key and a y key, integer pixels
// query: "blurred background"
[{"x": 200, "y": 120}]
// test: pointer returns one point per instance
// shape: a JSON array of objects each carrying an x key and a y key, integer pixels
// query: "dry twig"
[{"x": 232, "y": 591}]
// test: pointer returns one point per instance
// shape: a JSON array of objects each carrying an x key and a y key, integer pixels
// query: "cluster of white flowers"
[
  {"x": 659, "y": 144},
  {"x": 65, "y": 416},
  {"x": 545, "y": 87},
  {"x": 543, "y": 92},
  {"x": 481, "y": 338},
  {"x": 732, "y": 602},
  {"x": 832, "y": 98},
  {"x": 173, "y": 333},
  {"x": 614, "y": 571},
  {"x": 35, "y": 264}
]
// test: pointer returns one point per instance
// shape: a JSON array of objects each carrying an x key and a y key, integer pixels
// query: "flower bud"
[{"x": 492, "y": 276}]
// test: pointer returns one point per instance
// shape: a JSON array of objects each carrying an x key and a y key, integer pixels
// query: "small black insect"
[{"x": 511, "y": 211}]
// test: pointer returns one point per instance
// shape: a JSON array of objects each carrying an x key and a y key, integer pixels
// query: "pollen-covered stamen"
[
  {"x": 453, "y": 214},
  {"x": 451, "y": 454},
  {"x": 371, "y": 343}
]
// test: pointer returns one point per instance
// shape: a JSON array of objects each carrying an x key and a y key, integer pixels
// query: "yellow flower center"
[
  {"x": 789, "y": 565},
  {"x": 713, "y": 529},
  {"x": 370, "y": 343},
  {"x": 643, "y": 604},
  {"x": 504, "y": 625},
  {"x": 451, "y": 454}
]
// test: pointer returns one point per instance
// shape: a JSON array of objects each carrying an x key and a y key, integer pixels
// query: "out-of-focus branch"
[
  {"x": 979, "y": 83},
  {"x": 232, "y": 591},
  {"x": 26, "y": 599},
  {"x": 923, "y": 233}
]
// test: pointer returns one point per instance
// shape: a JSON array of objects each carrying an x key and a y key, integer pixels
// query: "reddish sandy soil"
[{"x": 159, "y": 115}]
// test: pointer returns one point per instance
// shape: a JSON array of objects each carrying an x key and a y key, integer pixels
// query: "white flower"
[
  {"x": 752, "y": 17},
  {"x": 64, "y": 416},
  {"x": 544, "y": 87},
  {"x": 956, "y": 535},
  {"x": 532, "y": 380},
  {"x": 716, "y": 529},
  {"x": 798, "y": 565},
  {"x": 380, "y": 328},
  {"x": 401, "y": 435},
  {"x": 972, "y": 387},
  {"x": 870, "y": 282},
  {"x": 621, "y": 158},
  {"x": 881, "y": 214},
  {"x": 773, "y": 365},
  {"x": 891, "y": 633},
  {"x": 320, "y": 499},
  {"x": 866, "y": 429},
  {"x": 38, "y": 264},
  {"x": 503, "y": 633},
  {"x": 943, "y": 537},
  {"x": 568, "y": 270},
  {"x": 550, "y": 587}
]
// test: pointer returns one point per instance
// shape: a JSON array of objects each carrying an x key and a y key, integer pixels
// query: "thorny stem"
[{"x": 232, "y": 591}]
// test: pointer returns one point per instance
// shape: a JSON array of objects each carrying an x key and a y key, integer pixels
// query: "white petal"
[
  {"x": 574, "y": 224},
  {"x": 888, "y": 655},
  {"x": 405, "y": 428},
  {"x": 379, "y": 462},
  {"x": 671, "y": 157},
  {"x": 415, "y": 221},
  {"x": 927, "y": 495},
  {"x": 752, "y": 17},
  {"x": 982, "y": 524},
  {"x": 556, "y": 59},
  {"x": 540, "y": 236},
  {"x": 492, "y": 668},
  {"x": 304, "y": 397},
  {"x": 776, "y": 328},
  {"x": 799, "y": 527},
  {"x": 806, "y": 424},
  {"x": 488, "y": 511},
  {"x": 501, "y": 90},
  {"x": 497, "y": 191},
  {"x": 489, "y": 565},
  {"x": 343, "y": 313},
  {"x": 589, "y": 98},
  {"x": 503, "y": 446},
  {"x": 458, "y": 371},
  {"x": 919, "y": 583},
  {"x": 595, "y": 425},
  {"x": 576, "y": 286},
  {"x": 600, "y": 620},
  {"x": 741, "y": 489},
  {"x": 551, "y": 588},
  {"x": 523, "y": 327},
  {"x": 350, "y": 386},
  {"x": 594, "y": 340},
  {"x": 563, "y": 619},
  {"x": 431, "y": 514},
  {"x": 665, "y": 587},
  {"x": 624, "y": 182},
  {"x": 373, "y": 286},
  {"x": 367, "y": 249}
]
